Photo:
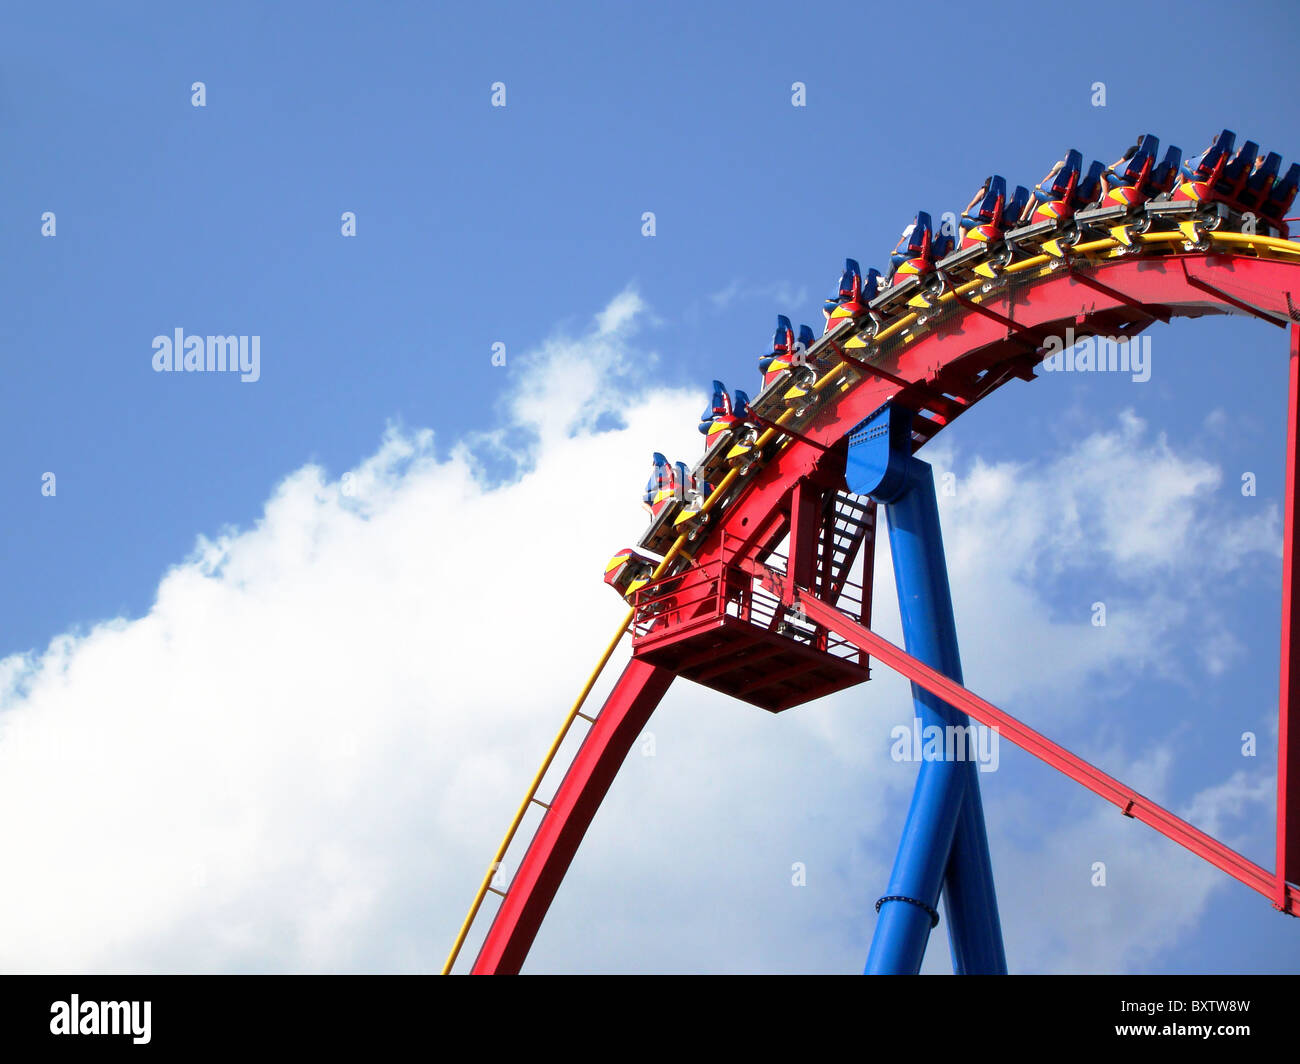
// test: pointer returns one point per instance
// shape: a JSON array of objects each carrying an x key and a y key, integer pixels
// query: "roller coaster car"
[
  {"x": 1164, "y": 177},
  {"x": 1137, "y": 181},
  {"x": 1053, "y": 219},
  {"x": 1254, "y": 191},
  {"x": 1056, "y": 199},
  {"x": 1055, "y": 196},
  {"x": 660, "y": 492},
  {"x": 727, "y": 426},
  {"x": 744, "y": 434},
  {"x": 986, "y": 215},
  {"x": 848, "y": 290},
  {"x": 1192, "y": 205},
  {"x": 1279, "y": 200},
  {"x": 1255, "y": 195},
  {"x": 1209, "y": 162},
  {"x": 627, "y": 572},
  {"x": 788, "y": 361},
  {"x": 805, "y": 341},
  {"x": 1132, "y": 175},
  {"x": 797, "y": 387},
  {"x": 797, "y": 394},
  {"x": 1220, "y": 186},
  {"x": 853, "y": 296},
  {"x": 942, "y": 243},
  {"x": 912, "y": 279},
  {"x": 1232, "y": 178},
  {"x": 983, "y": 250},
  {"x": 851, "y": 305},
  {"x": 673, "y": 493}
]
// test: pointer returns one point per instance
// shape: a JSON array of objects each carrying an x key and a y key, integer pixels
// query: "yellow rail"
[
  {"x": 1272, "y": 243},
  {"x": 1285, "y": 247}
]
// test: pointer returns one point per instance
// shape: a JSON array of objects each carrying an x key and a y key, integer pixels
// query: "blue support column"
[{"x": 944, "y": 844}]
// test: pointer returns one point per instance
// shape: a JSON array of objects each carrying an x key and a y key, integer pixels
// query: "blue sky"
[{"x": 518, "y": 225}]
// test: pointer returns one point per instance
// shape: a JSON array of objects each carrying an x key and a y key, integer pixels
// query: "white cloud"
[
  {"x": 303, "y": 756},
  {"x": 1118, "y": 519}
]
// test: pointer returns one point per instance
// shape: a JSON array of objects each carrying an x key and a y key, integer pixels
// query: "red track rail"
[
  {"x": 967, "y": 356},
  {"x": 635, "y": 696}
]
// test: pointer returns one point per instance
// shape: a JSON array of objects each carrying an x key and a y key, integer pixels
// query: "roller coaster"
[{"x": 1101, "y": 251}]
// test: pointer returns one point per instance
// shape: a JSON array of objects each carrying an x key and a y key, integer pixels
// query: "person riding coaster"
[
  {"x": 913, "y": 259},
  {"x": 914, "y": 244},
  {"x": 1254, "y": 192},
  {"x": 1194, "y": 203},
  {"x": 1128, "y": 185},
  {"x": 984, "y": 222},
  {"x": 1065, "y": 190}
]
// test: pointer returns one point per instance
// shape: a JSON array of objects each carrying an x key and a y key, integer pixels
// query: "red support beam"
[
  {"x": 1228, "y": 298},
  {"x": 730, "y": 664},
  {"x": 934, "y": 399},
  {"x": 1285, "y": 896},
  {"x": 875, "y": 371},
  {"x": 763, "y": 422},
  {"x": 775, "y": 679},
  {"x": 689, "y": 663},
  {"x": 626, "y": 710},
  {"x": 1014, "y": 328},
  {"x": 805, "y": 522},
  {"x": 1288, "y": 734},
  {"x": 1116, "y": 294}
]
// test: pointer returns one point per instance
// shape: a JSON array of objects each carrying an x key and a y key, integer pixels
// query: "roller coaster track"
[{"x": 939, "y": 362}]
